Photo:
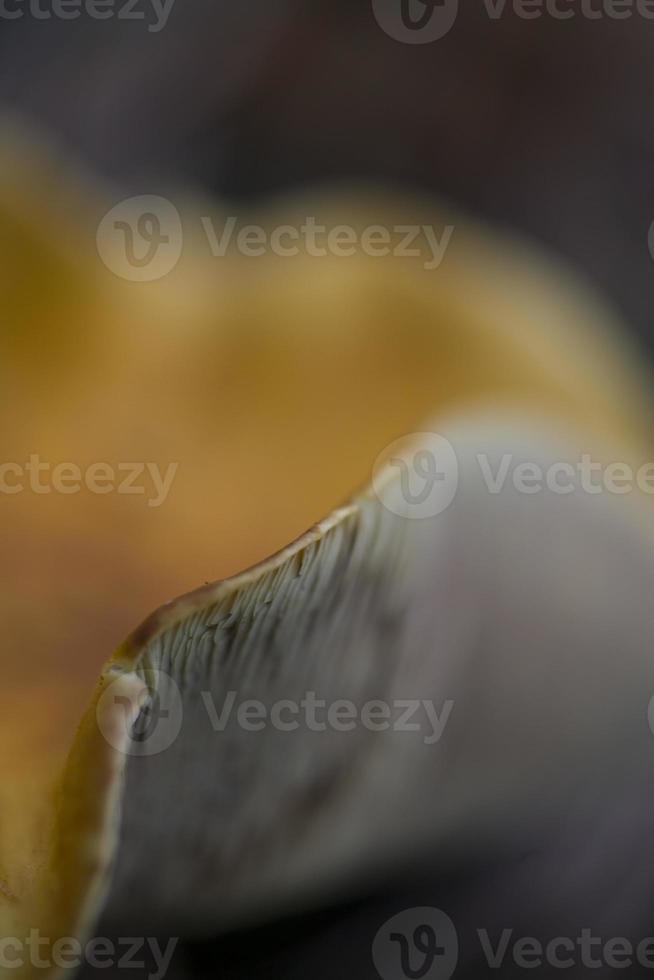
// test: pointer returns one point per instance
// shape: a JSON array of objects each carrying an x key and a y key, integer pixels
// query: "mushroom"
[{"x": 282, "y": 393}]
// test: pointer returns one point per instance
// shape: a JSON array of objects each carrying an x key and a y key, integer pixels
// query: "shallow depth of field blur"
[{"x": 536, "y": 124}]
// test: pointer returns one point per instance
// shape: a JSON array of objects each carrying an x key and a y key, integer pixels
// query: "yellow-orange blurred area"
[{"x": 270, "y": 385}]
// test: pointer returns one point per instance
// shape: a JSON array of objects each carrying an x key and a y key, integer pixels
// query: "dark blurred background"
[{"x": 541, "y": 125}]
